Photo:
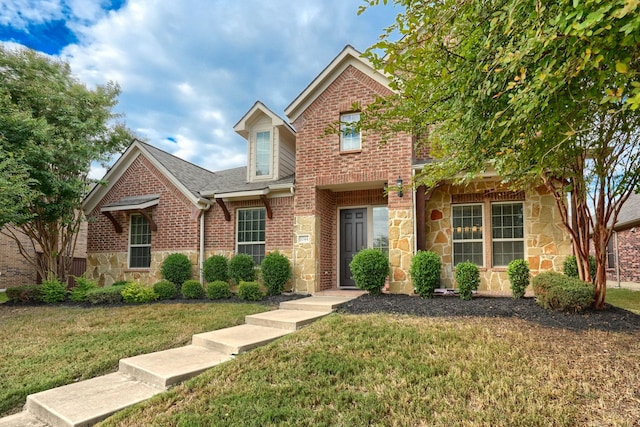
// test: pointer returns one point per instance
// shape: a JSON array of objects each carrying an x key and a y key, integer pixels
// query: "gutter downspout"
[{"x": 201, "y": 238}]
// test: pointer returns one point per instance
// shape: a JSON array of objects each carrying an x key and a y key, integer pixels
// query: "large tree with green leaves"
[
  {"x": 52, "y": 127},
  {"x": 539, "y": 91}
]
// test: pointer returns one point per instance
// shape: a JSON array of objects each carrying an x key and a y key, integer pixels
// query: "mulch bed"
[{"x": 609, "y": 319}]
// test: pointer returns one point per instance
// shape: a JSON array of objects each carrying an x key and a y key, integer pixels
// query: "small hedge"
[
  {"x": 467, "y": 279},
  {"x": 52, "y": 291},
  {"x": 369, "y": 269},
  {"x": 570, "y": 267},
  {"x": 135, "y": 292},
  {"x": 106, "y": 295},
  {"x": 218, "y": 290},
  {"x": 425, "y": 273},
  {"x": 165, "y": 290},
  {"x": 176, "y": 268},
  {"x": 250, "y": 291},
  {"x": 518, "y": 272},
  {"x": 276, "y": 271},
  {"x": 242, "y": 268},
  {"x": 556, "y": 291},
  {"x": 216, "y": 268},
  {"x": 192, "y": 289},
  {"x": 83, "y": 285},
  {"x": 24, "y": 293}
]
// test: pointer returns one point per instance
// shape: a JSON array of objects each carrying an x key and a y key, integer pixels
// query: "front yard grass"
[
  {"x": 3, "y": 297},
  {"x": 388, "y": 370},
  {"x": 45, "y": 347},
  {"x": 624, "y": 298}
]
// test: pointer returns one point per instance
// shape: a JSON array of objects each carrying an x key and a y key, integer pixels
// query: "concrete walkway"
[{"x": 87, "y": 402}]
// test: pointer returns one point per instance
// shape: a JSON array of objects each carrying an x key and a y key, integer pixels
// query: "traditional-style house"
[
  {"x": 623, "y": 269},
  {"x": 317, "y": 197}
]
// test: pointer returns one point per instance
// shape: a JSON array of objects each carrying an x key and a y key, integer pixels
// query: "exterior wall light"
[{"x": 399, "y": 186}]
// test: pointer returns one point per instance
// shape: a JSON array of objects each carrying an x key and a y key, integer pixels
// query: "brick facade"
[{"x": 628, "y": 249}]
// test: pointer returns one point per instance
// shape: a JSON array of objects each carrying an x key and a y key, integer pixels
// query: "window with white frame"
[
  {"x": 381, "y": 228},
  {"x": 263, "y": 153},
  {"x": 507, "y": 232},
  {"x": 468, "y": 244},
  {"x": 349, "y": 136},
  {"x": 139, "y": 242},
  {"x": 251, "y": 233}
]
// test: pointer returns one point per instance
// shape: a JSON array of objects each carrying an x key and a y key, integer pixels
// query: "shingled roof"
[{"x": 630, "y": 213}]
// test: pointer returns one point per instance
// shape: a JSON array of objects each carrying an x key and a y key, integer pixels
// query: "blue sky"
[{"x": 190, "y": 69}]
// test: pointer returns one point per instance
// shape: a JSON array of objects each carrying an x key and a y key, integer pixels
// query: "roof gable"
[
  {"x": 348, "y": 57},
  {"x": 259, "y": 109}
]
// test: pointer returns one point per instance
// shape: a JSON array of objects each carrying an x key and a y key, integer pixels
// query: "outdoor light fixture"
[{"x": 399, "y": 185}]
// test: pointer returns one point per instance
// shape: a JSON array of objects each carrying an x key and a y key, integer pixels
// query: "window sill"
[
  {"x": 137, "y": 270},
  {"x": 358, "y": 151}
]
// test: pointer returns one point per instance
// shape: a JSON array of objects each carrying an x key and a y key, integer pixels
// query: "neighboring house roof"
[
  {"x": 630, "y": 213},
  {"x": 348, "y": 57}
]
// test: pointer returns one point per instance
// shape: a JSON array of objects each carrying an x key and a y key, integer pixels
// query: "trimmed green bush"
[
  {"x": 369, "y": 269},
  {"x": 136, "y": 292},
  {"x": 518, "y": 272},
  {"x": 165, "y": 290},
  {"x": 24, "y": 293},
  {"x": 218, "y": 289},
  {"x": 215, "y": 268},
  {"x": 276, "y": 271},
  {"x": 121, "y": 283},
  {"x": 106, "y": 295},
  {"x": 250, "y": 291},
  {"x": 467, "y": 279},
  {"x": 570, "y": 267},
  {"x": 425, "y": 273},
  {"x": 192, "y": 289},
  {"x": 242, "y": 268},
  {"x": 83, "y": 285},
  {"x": 556, "y": 291},
  {"x": 176, "y": 268},
  {"x": 52, "y": 291}
]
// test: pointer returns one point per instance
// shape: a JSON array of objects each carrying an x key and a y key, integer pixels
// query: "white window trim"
[
  {"x": 342, "y": 122},
  {"x": 484, "y": 234},
  {"x": 254, "y": 154},
  {"x": 130, "y": 245},
  {"x": 238, "y": 244},
  {"x": 508, "y": 239}
]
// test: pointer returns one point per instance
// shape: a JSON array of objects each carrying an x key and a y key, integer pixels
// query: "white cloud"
[{"x": 20, "y": 13}]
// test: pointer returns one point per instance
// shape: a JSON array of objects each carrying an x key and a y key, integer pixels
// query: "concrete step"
[
  {"x": 238, "y": 339},
  {"x": 316, "y": 303},
  {"x": 289, "y": 320},
  {"x": 86, "y": 402},
  {"x": 23, "y": 419},
  {"x": 169, "y": 367}
]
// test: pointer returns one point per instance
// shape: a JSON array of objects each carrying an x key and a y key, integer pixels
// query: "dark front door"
[{"x": 353, "y": 237}]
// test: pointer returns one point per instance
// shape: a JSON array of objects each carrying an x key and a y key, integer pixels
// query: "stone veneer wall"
[
  {"x": 109, "y": 267},
  {"x": 401, "y": 244},
  {"x": 305, "y": 256},
  {"x": 546, "y": 242}
]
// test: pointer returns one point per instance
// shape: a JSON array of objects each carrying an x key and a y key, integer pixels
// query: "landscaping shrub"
[
  {"x": 176, "y": 268},
  {"x": 369, "y": 269},
  {"x": 518, "y": 272},
  {"x": 52, "y": 291},
  {"x": 24, "y": 293},
  {"x": 165, "y": 290},
  {"x": 106, "y": 295},
  {"x": 556, "y": 291},
  {"x": 215, "y": 268},
  {"x": 83, "y": 285},
  {"x": 425, "y": 273},
  {"x": 192, "y": 289},
  {"x": 218, "y": 289},
  {"x": 467, "y": 279},
  {"x": 135, "y": 292},
  {"x": 250, "y": 291},
  {"x": 121, "y": 283},
  {"x": 276, "y": 271},
  {"x": 241, "y": 268},
  {"x": 570, "y": 267}
]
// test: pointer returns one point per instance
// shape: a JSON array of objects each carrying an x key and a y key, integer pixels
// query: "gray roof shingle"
[{"x": 630, "y": 212}]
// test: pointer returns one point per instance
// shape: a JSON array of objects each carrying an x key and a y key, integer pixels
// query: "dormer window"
[
  {"x": 263, "y": 153},
  {"x": 349, "y": 137}
]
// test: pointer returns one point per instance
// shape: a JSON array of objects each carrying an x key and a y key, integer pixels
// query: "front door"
[{"x": 353, "y": 237}]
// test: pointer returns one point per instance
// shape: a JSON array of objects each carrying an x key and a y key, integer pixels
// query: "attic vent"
[{"x": 490, "y": 195}]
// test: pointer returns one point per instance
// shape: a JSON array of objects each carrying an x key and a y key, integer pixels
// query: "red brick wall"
[
  {"x": 326, "y": 202},
  {"x": 177, "y": 224},
  {"x": 629, "y": 256}
]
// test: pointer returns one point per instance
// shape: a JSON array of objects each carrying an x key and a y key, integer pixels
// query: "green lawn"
[
  {"x": 45, "y": 347},
  {"x": 3, "y": 297},
  {"x": 624, "y": 298}
]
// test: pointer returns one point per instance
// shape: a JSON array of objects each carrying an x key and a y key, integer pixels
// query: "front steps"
[{"x": 140, "y": 377}]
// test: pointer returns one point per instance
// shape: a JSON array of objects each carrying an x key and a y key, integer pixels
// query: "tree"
[
  {"x": 537, "y": 91},
  {"x": 52, "y": 127}
]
